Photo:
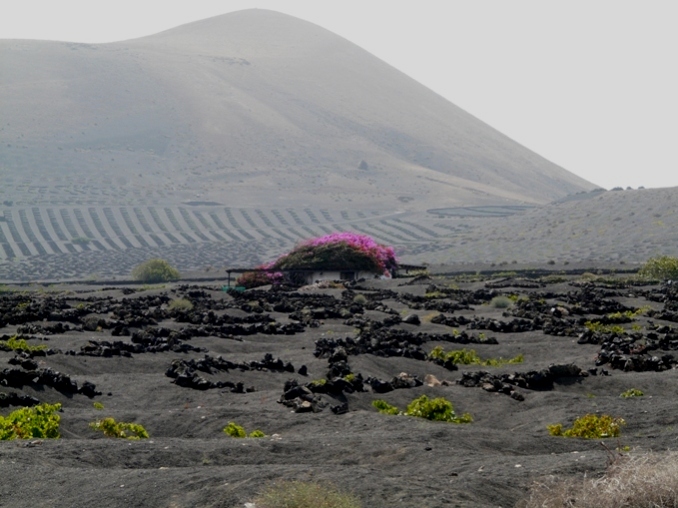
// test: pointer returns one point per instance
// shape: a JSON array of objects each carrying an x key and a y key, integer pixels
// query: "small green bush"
[
  {"x": 235, "y": 430},
  {"x": 632, "y": 392},
  {"x": 360, "y": 299},
  {"x": 180, "y": 304},
  {"x": 385, "y": 408},
  {"x": 122, "y": 430},
  {"x": 470, "y": 357},
  {"x": 98, "y": 406},
  {"x": 627, "y": 316},
  {"x": 590, "y": 426},
  {"x": 20, "y": 345},
  {"x": 296, "y": 494},
  {"x": 661, "y": 267},
  {"x": 435, "y": 294},
  {"x": 438, "y": 409},
  {"x": 155, "y": 270},
  {"x": 238, "y": 431},
  {"x": 39, "y": 422},
  {"x": 500, "y": 302},
  {"x": 620, "y": 317},
  {"x": 598, "y": 327}
]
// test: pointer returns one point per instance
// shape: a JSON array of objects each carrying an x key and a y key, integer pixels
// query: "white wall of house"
[{"x": 312, "y": 277}]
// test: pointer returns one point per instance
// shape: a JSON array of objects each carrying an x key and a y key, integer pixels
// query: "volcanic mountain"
[{"x": 252, "y": 108}]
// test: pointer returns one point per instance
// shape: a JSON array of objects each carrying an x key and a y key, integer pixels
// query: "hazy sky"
[{"x": 591, "y": 85}]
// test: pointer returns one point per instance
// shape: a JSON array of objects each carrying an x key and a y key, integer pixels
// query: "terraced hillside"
[
  {"x": 56, "y": 242},
  {"x": 37, "y": 231},
  {"x": 44, "y": 242}
]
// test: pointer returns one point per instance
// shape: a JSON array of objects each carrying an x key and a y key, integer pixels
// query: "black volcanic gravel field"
[{"x": 304, "y": 367}]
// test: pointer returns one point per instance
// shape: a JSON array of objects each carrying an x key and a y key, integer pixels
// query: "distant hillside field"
[{"x": 38, "y": 243}]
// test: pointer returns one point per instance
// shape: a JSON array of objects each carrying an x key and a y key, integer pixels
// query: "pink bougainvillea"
[
  {"x": 336, "y": 251},
  {"x": 384, "y": 255}
]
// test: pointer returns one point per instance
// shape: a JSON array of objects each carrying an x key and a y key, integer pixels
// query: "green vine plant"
[
  {"x": 14, "y": 343},
  {"x": 439, "y": 409},
  {"x": 39, "y": 422},
  {"x": 611, "y": 323},
  {"x": 501, "y": 302},
  {"x": 628, "y": 315},
  {"x": 598, "y": 327},
  {"x": 385, "y": 408},
  {"x": 121, "y": 430},
  {"x": 590, "y": 426},
  {"x": 238, "y": 431},
  {"x": 631, "y": 392},
  {"x": 469, "y": 357}
]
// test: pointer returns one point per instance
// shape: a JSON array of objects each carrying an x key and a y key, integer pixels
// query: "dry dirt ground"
[{"x": 385, "y": 460}]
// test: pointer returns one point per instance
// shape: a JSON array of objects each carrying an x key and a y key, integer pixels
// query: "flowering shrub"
[
  {"x": 258, "y": 278},
  {"x": 382, "y": 254},
  {"x": 337, "y": 251},
  {"x": 340, "y": 251}
]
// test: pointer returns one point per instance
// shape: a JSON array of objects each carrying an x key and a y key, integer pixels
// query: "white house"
[{"x": 312, "y": 276}]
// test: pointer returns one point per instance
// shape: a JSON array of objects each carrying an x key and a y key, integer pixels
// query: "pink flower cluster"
[
  {"x": 274, "y": 276},
  {"x": 384, "y": 255}
]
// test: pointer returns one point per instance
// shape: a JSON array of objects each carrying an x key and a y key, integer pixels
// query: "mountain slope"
[{"x": 249, "y": 108}]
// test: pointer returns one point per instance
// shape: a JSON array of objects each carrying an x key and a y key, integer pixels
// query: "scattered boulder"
[
  {"x": 183, "y": 373},
  {"x": 412, "y": 319},
  {"x": 14, "y": 399},
  {"x": 45, "y": 377},
  {"x": 301, "y": 399},
  {"x": 531, "y": 380}
]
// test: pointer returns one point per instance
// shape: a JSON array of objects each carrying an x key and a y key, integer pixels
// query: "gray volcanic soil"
[{"x": 188, "y": 461}]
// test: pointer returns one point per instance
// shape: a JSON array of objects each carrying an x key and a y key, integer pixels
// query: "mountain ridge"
[{"x": 208, "y": 110}]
